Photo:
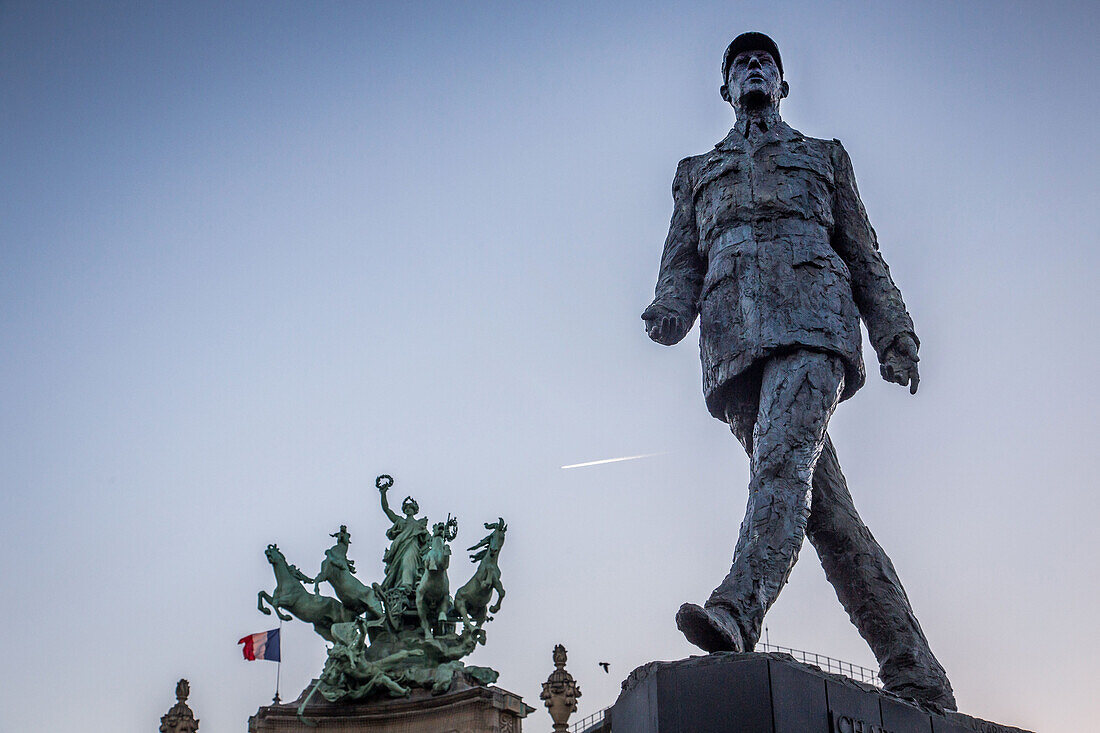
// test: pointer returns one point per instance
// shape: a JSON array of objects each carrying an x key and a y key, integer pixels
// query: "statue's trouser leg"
[
  {"x": 798, "y": 394},
  {"x": 868, "y": 586}
]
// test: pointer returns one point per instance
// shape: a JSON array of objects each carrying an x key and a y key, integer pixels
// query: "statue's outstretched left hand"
[{"x": 899, "y": 362}]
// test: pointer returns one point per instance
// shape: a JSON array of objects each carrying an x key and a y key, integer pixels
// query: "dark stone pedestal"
[
  {"x": 768, "y": 693},
  {"x": 469, "y": 710}
]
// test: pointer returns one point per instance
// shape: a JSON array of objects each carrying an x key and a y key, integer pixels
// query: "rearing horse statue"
[
  {"x": 433, "y": 592},
  {"x": 321, "y": 611},
  {"x": 472, "y": 599},
  {"x": 338, "y": 570}
]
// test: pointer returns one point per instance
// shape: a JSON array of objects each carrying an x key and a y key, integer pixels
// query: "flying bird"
[{"x": 605, "y": 666}]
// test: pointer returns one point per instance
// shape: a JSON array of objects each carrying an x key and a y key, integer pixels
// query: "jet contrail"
[{"x": 612, "y": 460}]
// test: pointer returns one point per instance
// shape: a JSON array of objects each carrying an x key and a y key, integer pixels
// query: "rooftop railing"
[
  {"x": 825, "y": 664},
  {"x": 585, "y": 723}
]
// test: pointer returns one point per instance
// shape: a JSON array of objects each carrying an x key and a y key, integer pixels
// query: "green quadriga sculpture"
[{"x": 402, "y": 633}]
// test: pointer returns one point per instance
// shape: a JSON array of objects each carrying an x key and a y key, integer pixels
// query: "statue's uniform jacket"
[{"x": 771, "y": 247}]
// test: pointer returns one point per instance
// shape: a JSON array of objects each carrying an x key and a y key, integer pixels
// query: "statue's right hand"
[
  {"x": 383, "y": 482},
  {"x": 663, "y": 325}
]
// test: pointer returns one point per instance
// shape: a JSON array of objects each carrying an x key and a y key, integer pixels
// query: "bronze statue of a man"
[{"x": 771, "y": 247}]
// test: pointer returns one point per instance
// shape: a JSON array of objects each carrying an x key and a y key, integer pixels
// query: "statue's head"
[
  {"x": 409, "y": 506},
  {"x": 752, "y": 72}
]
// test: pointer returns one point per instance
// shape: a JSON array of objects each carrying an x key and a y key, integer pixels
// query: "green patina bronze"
[
  {"x": 402, "y": 633},
  {"x": 339, "y": 572},
  {"x": 472, "y": 599}
]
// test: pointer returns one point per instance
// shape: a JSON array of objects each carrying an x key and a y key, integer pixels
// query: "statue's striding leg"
[
  {"x": 798, "y": 393},
  {"x": 869, "y": 589}
]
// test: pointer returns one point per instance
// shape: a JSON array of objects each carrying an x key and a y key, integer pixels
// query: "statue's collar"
[{"x": 778, "y": 130}]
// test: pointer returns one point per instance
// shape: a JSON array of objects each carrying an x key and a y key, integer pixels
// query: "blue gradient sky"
[{"x": 252, "y": 255}]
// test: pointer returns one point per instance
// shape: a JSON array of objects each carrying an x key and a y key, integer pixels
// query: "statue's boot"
[
  {"x": 712, "y": 629},
  {"x": 935, "y": 695}
]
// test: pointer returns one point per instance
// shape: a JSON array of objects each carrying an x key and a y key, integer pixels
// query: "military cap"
[{"x": 751, "y": 41}]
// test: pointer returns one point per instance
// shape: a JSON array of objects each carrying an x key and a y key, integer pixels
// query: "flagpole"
[{"x": 278, "y": 665}]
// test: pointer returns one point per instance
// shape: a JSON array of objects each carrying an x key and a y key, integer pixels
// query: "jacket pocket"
[
  {"x": 802, "y": 161},
  {"x": 712, "y": 170},
  {"x": 814, "y": 255}
]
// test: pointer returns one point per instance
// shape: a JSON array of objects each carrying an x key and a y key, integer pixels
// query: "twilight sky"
[{"x": 254, "y": 254}]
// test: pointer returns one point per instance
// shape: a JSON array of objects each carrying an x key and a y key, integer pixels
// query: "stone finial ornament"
[
  {"x": 179, "y": 718},
  {"x": 560, "y": 692}
]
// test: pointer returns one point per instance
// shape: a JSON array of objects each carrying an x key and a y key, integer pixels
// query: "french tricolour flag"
[{"x": 264, "y": 645}]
